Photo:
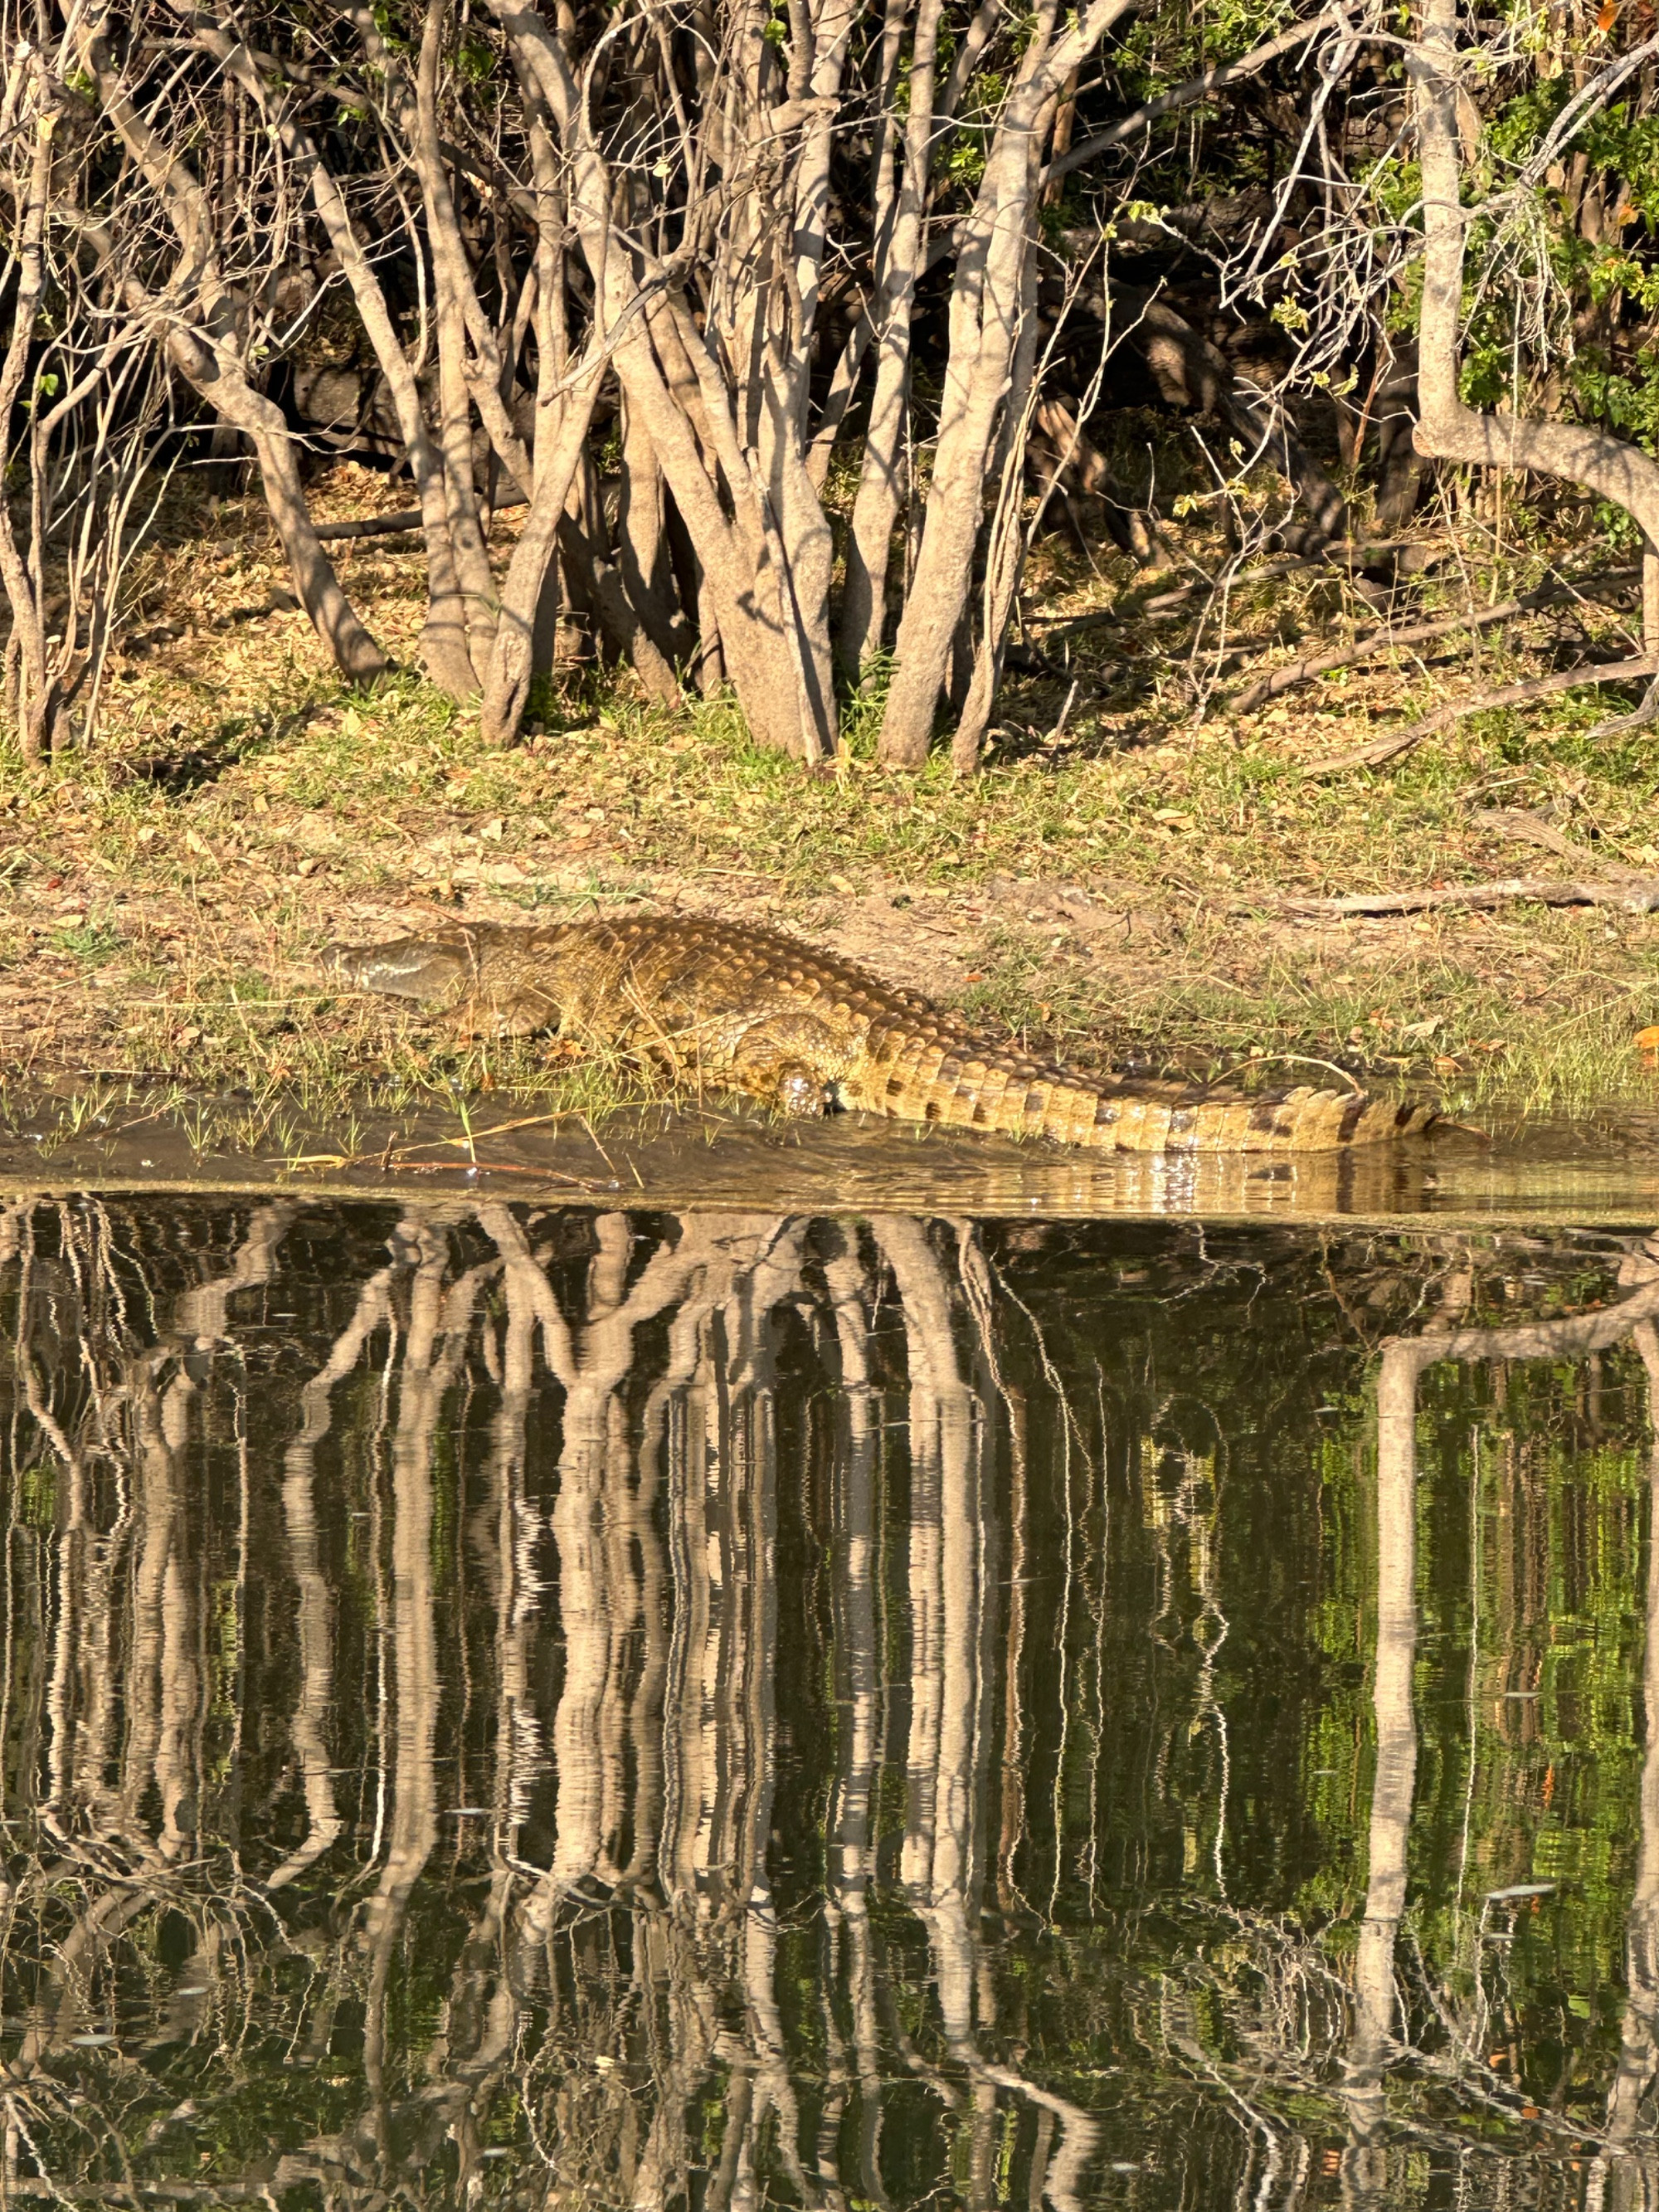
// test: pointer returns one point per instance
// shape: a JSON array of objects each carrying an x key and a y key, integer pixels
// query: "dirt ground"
[{"x": 1116, "y": 884}]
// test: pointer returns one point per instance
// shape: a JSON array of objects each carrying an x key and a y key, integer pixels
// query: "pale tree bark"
[
  {"x": 642, "y": 542},
  {"x": 899, "y": 212},
  {"x": 766, "y": 562},
  {"x": 1372, "y": 2041},
  {"x": 208, "y": 350},
  {"x": 1005, "y": 551},
  {"x": 456, "y": 306},
  {"x": 41, "y": 718},
  {"x": 563, "y": 417},
  {"x": 444, "y": 646},
  {"x": 987, "y": 307},
  {"x": 1449, "y": 430}
]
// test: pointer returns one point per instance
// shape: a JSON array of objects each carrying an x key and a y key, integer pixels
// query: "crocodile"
[{"x": 722, "y": 1006}]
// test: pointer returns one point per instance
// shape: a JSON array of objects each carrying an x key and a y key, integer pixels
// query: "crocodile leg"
[
  {"x": 782, "y": 1059},
  {"x": 519, "y": 1012}
]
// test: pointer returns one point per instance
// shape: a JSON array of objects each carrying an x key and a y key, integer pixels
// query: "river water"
[{"x": 561, "y": 1706}]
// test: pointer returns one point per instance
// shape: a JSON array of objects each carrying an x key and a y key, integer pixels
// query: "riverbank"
[{"x": 1120, "y": 888}]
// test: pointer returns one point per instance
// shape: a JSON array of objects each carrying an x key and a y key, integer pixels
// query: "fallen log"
[
  {"x": 405, "y": 519},
  {"x": 375, "y": 526}
]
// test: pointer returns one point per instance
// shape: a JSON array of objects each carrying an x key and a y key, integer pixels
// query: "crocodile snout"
[{"x": 413, "y": 968}]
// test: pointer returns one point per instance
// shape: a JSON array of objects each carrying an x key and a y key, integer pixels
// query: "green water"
[{"x": 553, "y": 1708}]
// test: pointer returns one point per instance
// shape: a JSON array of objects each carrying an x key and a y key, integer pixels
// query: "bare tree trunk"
[
  {"x": 1365, "y": 2091},
  {"x": 899, "y": 262},
  {"x": 443, "y": 637},
  {"x": 766, "y": 563},
  {"x": 42, "y": 725},
  {"x": 332, "y": 616},
  {"x": 1005, "y": 553},
  {"x": 986, "y": 310},
  {"x": 210, "y": 357},
  {"x": 1446, "y": 428},
  {"x": 561, "y": 433},
  {"x": 453, "y": 294},
  {"x": 642, "y": 543}
]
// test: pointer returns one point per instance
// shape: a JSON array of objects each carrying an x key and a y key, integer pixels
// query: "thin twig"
[{"x": 1184, "y": 95}]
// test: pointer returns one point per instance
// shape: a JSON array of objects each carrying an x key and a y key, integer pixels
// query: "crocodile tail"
[
  {"x": 1304, "y": 1120},
  {"x": 965, "y": 1082}
]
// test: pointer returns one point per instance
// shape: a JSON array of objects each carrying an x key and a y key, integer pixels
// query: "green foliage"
[
  {"x": 1626, "y": 403},
  {"x": 477, "y": 61},
  {"x": 1527, "y": 290},
  {"x": 92, "y": 942},
  {"x": 1625, "y": 145},
  {"x": 1517, "y": 128}
]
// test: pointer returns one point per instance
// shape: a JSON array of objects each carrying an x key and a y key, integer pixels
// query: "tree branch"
[
  {"x": 1630, "y": 894},
  {"x": 1381, "y": 641},
  {"x": 1188, "y": 95},
  {"x": 1399, "y": 741}
]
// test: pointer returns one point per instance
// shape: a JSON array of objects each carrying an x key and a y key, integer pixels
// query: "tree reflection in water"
[{"x": 571, "y": 1709}]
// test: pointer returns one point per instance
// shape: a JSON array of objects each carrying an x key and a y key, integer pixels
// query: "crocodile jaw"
[{"x": 413, "y": 968}]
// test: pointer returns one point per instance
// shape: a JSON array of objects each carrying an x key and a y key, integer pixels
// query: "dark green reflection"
[{"x": 564, "y": 1709}]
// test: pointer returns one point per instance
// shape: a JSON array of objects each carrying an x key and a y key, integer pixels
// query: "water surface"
[
  {"x": 551, "y": 1706},
  {"x": 1601, "y": 1168}
]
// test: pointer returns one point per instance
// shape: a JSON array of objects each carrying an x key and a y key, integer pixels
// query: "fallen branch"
[
  {"x": 1399, "y": 741},
  {"x": 1377, "y": 641},
  {"x": 1534, "y": 829},
  {"x": 1621, "y": 726},
  {"x": 1631, "y": 894},
  {"x": 1343, "y": 553},
  {"x": 395, "y": 526},
  {"x": 377, "y": 525}
]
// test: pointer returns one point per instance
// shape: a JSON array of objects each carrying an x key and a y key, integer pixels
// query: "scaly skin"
[{"x": 721, "y": 1006}]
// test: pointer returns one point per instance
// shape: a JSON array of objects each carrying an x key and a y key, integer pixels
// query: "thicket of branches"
[{"x": 787, "y": 323}]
